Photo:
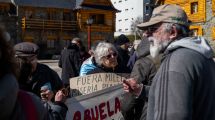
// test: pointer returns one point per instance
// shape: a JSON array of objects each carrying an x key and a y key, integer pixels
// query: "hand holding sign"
[
  {"x": 60, "y": 96},
  {"x": 131, "y": 85}
]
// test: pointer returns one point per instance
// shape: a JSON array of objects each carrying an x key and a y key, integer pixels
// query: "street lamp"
[{"x": 89, "y": 23}]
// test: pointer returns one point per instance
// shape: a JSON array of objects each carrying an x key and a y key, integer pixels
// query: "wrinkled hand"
[
  {"x": 130, "y": 85},
  {"x": 46, "y": 95},
  {"x": 60, "y": 96}
]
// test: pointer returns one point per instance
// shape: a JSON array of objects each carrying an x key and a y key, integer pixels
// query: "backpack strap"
[{"x": 27, "y": 105}]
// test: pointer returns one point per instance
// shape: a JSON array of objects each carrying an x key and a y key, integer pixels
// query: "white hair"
[
  {"x": 102, "y": 49},
  {"x": 183, "y": 31}
]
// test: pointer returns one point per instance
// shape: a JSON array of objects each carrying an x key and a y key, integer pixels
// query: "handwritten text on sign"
[
  {"x": 92, "y": 83},
  {"x": 101, "y": 105}
]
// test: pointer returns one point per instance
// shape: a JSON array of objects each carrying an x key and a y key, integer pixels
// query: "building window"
[
  {"x": 12, "y": 10},
  {"x": 126, "y": 9},
  {"x": 120, "y": 1},
  {"x": 28, "y": 13},
  {"x": 114, "y": 2},
  {"x": 52, "y": 14},
  {"x": 194, "y": 32},
  {"x": 4, "y": 9},
  {"x": 194, "y": 7},
  {"x": 120, "y": 20},
  {"x": 120, "y": 30},
  {"x": 66, "y": 43},
  {"x": 147, "y": 10},
  {"x": 126, "y": 19},
  {"x": 67, "y": 16},
  {"x": 98, "y": 18},
  {"x": 126, "y": 29},
  {"x": 50, "y": 43}
]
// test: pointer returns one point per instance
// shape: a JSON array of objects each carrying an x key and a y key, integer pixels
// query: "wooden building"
[
  {"x": 8, "y": 18},
  {"x": 48, "y": 23},
  {"x": 52, "y": 24},
  {"x": 103, "y": 15},
  {"x": 200, "y": 12}
]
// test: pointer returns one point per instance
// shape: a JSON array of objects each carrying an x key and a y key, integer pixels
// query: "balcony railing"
[
  {"x": 97, "y": 28},
  {"x": 49, "y": 24}
]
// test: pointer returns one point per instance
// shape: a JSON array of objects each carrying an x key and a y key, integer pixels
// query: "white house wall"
[{"x": 130, "y": 10}]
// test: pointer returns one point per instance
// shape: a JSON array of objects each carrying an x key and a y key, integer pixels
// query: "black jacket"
[
  {"x": 123, "y": 57},
  {"x": 70, "y": 62},
  {"x": 21, "y": 105},
  {"x": 41, "y": 76},
  {"x": 143, "y": 71}
]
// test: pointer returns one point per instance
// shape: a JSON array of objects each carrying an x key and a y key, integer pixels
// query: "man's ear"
[{"x": 174, "y": 33}]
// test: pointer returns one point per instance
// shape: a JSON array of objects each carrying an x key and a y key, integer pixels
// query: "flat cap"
[{"x": 25, "y": 49}]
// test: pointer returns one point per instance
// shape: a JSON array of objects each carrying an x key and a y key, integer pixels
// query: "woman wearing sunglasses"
[{"x": 105, "y": 59}]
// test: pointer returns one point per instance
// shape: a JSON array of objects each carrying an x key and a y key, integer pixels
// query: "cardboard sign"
[
  {"x": 101, "y": 105},
  {"x": 95, "y": 82}
]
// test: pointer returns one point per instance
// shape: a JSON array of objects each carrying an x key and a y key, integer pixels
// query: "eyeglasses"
[
  {"x": 111, "y": 55},
  {"x": 152, "y": 29}
]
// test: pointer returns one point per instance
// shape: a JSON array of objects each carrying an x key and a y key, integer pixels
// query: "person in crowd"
[
  {"x": 15, "y": 103},
  {"x": 70, "y": 62},
  {"x": 183, "y": 87},
  {"x": 133, "y": 56},
  {"x": 105, "y": 59},
  {"x": 122, "y": 45},
  {"x": 144, "y": 70},
  {"x": 83, "y": 52},
  {"x": 34, "y": 75},
  {"x": 88, "y": 64}
]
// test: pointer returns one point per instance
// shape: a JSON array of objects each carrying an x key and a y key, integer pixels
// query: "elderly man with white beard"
[{"x": 184, "y": 86}]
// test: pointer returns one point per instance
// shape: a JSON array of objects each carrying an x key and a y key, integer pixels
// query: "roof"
[
  {"x": 80, "y": 5},
  {"x": 5, "y": 1},
  {"x": 101, "y": 7},
  {"x": 66, "y": 4}
]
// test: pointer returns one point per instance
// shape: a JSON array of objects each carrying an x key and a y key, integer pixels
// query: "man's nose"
[{"x": 151, "y": 40}]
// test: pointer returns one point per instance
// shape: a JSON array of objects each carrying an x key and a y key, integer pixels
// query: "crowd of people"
[
  {"x": 29, "y": 90},
  {"x": 172, "y": 75}
]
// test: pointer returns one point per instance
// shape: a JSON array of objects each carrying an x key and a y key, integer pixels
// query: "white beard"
[
  {"x": 154, "y": 51},
  {"x": 156, "y": 48}
]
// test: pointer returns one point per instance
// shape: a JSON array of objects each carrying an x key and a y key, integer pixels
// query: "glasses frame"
[
  {"x": 154, "y": 28},
  {"x": 111, "y": 55}
]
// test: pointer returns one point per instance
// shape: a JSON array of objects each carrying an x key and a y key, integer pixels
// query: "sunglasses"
[{"x": 111, "y": 55}]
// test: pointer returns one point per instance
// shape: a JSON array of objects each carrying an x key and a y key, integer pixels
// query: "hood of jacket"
[
  {"x": 198, "y": 44},
  {"x": 143, "y": 48},
  {"x": 8, "y": 95}
]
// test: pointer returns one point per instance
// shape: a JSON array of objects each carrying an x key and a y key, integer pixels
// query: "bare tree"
[{"x": 134, "y": 29}]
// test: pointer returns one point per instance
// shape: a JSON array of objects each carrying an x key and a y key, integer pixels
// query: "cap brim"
[
  {"x": 24, "y": 55},
  {"x": 147, "y": 24}
]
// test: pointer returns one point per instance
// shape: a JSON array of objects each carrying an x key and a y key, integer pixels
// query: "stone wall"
[{"x": 208, "y": 25}]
